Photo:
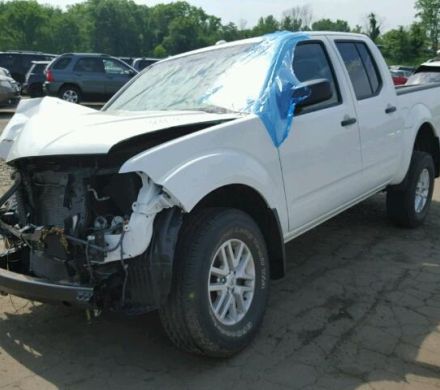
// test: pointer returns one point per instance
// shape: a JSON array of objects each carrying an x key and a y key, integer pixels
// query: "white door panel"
[{"x": 321, "y": 164}]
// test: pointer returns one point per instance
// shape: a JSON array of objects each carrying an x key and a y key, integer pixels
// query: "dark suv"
[
  {"x": 19, "y": 62},
  {"x": 35, "y": 78},
  {"x": 75, "y": 77}
]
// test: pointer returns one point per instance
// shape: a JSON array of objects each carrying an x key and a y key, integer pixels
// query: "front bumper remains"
[{"x": 45, "y": 291}]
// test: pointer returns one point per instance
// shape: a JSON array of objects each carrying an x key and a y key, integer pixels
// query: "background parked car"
[
  {"x": 19, "y": 62},
  {"x": 9, "y": 89},
  {"x": 5, "y": 72},
  {"x": 399, "y": 77},
  {"x": 409, "y": 70},
  {"x": 35, "y": 78},
  {"x": 127, "y": 60},
  {"x": 77, "y": 76},
  {"x": 427, "y": 73},
  {"x": 141, "y": 63}
]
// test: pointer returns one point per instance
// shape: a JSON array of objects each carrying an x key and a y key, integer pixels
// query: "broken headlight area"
[{"x": 85, "y": 225}]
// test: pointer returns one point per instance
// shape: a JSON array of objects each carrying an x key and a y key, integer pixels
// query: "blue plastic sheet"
[{"x": 276, "y": 105}]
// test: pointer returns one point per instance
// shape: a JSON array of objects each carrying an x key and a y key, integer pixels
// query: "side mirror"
[{"x": 312, "y": 92}]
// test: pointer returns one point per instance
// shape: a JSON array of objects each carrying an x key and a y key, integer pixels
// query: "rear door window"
[
  {"x": 361, "y": 68},
  {"x": 89, "y": 65}
]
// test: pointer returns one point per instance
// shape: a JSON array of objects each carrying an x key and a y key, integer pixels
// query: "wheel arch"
[
  {"x": 250, "y": 201},
  {"x": 426, "y": 140},
  {"x": 70, "y": 84}
]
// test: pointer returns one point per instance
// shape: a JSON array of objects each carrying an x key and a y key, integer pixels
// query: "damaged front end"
[{"x": 76, "y": 231}]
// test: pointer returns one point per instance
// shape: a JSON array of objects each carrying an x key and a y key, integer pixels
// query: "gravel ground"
[{"x": 359, "y": 309}]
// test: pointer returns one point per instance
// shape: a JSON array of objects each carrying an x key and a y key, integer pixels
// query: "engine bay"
[{"x": 80, "y": 222}]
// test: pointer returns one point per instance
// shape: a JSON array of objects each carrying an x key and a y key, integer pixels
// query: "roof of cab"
[{"x": 263, "y": 37}]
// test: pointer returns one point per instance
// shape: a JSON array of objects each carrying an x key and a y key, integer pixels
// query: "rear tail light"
[{"x": 49, "y": 76}]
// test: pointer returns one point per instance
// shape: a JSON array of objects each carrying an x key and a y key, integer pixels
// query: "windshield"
[{"x": 221, "y": 80}]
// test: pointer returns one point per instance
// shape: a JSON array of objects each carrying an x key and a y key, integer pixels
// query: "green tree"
[
  {"x": 405, "y": 45},
  {"x": 396, "y": 45},
  {"x": 159, "y": 51},
  {"x": 182, "y": 36},
  {"x": 126, "y": 28},
  {"x": 298, "y": 18},
  {"x": 230, "y": 32},
  {"x": 266, "y": 25},
  {"x": 330, "y": 25},
  {"x": 22, "y": 23},
  {"x": 114, "y": 27},
  {"x": 373, "y": 28},
  {"x": 429, "y": 13},
  {"x": 417, "y": 33},
  {"x": 357, "y": 29}
]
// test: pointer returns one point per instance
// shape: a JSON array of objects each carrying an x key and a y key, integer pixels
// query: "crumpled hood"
[{"x": 50, "y": 126}]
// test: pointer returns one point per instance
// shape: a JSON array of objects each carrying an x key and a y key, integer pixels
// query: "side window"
[
  {"x": 361, "y": 68},
  {"x": 311, "y": 62},
  {"x": 62, "y": 63},
  {"x": 370, "y": 66},
  {"x": 115, "y": 67},
  {"x": 89, "y": 65}
]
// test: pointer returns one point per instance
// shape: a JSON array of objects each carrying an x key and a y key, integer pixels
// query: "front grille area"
[{"x": 58, "y": 198}]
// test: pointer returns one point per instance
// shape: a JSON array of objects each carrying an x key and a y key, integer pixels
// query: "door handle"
[
  {"x": 390, "y": 109},
  {"x": 348, "y": 122}
]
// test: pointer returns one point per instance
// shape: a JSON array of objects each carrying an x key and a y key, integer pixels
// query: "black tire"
[
  {"x": 187, "y": 316},
  {"x": 401, "y": 200},
  {"x": 70, "y": 90}
]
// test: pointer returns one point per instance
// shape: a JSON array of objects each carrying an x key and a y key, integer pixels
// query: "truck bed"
[{"x": 404, "y": 89}]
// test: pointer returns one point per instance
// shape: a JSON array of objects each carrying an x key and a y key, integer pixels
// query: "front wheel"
[
  {"x": 409, "y": 206},
  {"x": 220, "y": 285}
]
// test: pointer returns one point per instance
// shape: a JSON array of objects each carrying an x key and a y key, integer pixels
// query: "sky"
[{"x": 392, "y": 12}]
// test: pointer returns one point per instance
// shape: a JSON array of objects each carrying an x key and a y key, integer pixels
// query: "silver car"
[{"x": 9, "y": 89}]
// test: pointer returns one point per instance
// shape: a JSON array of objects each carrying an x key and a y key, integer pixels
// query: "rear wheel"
[
  {"x": 70, "y": 94},
  {"x": 409, "y": 206},
  {"x": 220, "y": 286}
]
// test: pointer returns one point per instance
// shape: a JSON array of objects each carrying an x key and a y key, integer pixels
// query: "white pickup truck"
[{"x": 181, "y": 193}]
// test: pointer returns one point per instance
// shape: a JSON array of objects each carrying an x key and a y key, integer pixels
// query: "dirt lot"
[{"x": 359, "y": 309}]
